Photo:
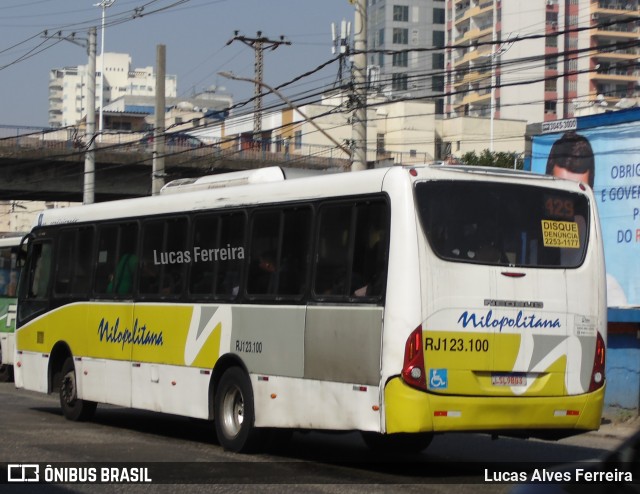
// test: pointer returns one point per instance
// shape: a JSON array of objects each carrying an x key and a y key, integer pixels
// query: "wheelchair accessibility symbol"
[{"x": 438, "y": 379}]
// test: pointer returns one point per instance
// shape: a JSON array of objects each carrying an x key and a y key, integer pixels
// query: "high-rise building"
[
  {"x": 68, "y": 87},
  {"x": 538, "y": 60},
  {"x": 411, "y": 29}
]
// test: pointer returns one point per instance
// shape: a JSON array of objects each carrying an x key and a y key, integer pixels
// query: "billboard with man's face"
[{"x": 604, "y": 152}]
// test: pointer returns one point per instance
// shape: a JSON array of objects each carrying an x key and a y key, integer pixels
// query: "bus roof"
[{"x": 284, "y": 190}]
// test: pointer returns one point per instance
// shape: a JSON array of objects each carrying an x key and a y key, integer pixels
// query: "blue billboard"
[{"x": 603, "y": 151}]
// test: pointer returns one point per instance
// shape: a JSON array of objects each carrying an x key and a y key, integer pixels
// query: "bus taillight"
[
  {"x": 597, "y": 375},
  {"x": 413, "y": 368}
]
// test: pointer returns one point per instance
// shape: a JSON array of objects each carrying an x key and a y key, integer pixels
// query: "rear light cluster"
[
  {"x": 597, "y": 375},
  {"x": 413, "y": 372}
]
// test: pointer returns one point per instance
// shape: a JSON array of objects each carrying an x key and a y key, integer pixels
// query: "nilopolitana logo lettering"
[
  {"x": 204, "y": 320},
  {"x": 520, "y": 321},
  {"x": 140, "y": 335}
]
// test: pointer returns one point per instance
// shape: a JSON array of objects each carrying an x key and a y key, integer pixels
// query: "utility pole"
[
  {"x": 88, "y": 195},
  {"x": 291, "y": 105},
  {"x": 157, "y": 175},
  {"x": 359, "y": 75},
  {"x": 259, "y": 45},
  {"x": 89, "y": 183}
]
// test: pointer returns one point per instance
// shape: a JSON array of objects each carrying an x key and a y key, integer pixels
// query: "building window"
[
  {"x": 438, "y": 16},
  {"x": 400, "y": 59},
  {"x": 552, "y": 63},
  {"x": 399, "y": 82},
  {"x": 437, "y": 61},
  {"x": 297, "y": 139},
  {"x": 400, "y": 36},
  {"x": 381, "y": 59},
  {"x": 381, "y": 37},
  {"x": 401, "y": 13},
  {"x": 439, "y": 106},
  {"x": 437, "y": 83},
  {"x": 438, "y": 38},
  {"x": 550, "y": 107}
]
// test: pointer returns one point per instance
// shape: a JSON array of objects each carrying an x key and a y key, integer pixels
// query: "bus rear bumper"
[{"x": 410, "y": 410}]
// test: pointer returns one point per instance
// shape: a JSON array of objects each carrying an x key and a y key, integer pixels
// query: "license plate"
[{"x": 508, "y": 379}]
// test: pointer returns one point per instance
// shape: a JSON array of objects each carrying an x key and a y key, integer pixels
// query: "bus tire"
[
  {"x": 6, "y": 371},
  {"x": 397, "y": 443},
  {"x": 73, "y": 408},
  {"x": 234, "y": 414}
]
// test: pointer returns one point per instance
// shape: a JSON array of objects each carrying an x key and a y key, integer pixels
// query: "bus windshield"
[{"x": 504, "y": 224}]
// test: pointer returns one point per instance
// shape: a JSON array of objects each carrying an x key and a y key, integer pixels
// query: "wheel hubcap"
[
  {"x": 233, "y": 412},
  {"x": 69, "y": 388}
]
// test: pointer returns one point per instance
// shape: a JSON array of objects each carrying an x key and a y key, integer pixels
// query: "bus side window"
[
  {"x": 229, "y": 272},
  {"x": 370, "y": 253},
  {"x": 73, "y": 262},
  {"x": 333, "y": 250},
  {"x": 117, "y": 259},
  {"x": 164, "y": 257},
  {"x": 352, "y": 244},
  {"x": 152, "y": 256},
  {"x": 279, "y": 252},
  {"x": 106, "y": 258},
  {"x": 264, "y": 262},
  {"x": 64, "y": 262}
]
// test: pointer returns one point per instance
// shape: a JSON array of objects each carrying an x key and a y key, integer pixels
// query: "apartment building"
[
  {"x": 417, "y": 26},
  {"x": 538, "y": 60},
  {"x": 68, "y": 87}
]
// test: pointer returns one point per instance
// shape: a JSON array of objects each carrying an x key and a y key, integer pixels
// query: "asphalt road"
[{"x": 182, "y": 455}]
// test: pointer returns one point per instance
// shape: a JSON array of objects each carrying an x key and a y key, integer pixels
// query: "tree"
[{"x": 493, "y": 159}]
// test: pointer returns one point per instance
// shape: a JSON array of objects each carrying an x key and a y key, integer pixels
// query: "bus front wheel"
[
  {"x": 6, "y": 371},
  {"x": 234, "y": 412},
  {"x": 72, "y": 407}
]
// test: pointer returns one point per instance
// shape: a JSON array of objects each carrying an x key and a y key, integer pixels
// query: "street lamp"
[
  {"x": 104, "y": 4},
  {"x": 230, "y": 75}
]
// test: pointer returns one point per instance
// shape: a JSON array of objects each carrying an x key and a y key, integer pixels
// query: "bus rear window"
[{"x": 504, "y": 224}]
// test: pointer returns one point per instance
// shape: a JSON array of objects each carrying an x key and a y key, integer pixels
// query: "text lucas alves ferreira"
[{"x": 577, "y": 475}]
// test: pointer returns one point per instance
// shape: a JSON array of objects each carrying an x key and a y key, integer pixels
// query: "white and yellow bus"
[{"x": 399, "y": 302}]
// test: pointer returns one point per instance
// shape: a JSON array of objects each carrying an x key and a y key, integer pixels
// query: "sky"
[{"x": 196, "y": 35}]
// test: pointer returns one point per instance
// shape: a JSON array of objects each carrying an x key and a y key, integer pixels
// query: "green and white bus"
[
  {"x": 399, "y": 302},
  {"x": 9, "y": 276}
]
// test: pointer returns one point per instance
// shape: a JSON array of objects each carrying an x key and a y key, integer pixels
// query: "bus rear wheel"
[
  {"x": 72, "y": 407},
  {"x": 234, "y": 414}
]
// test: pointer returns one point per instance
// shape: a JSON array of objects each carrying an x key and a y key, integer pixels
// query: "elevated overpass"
[{"x": 42, "y": 164}]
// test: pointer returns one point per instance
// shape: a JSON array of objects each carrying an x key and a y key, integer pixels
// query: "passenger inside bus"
[
  {"x": 121, "y": 282},
  {"x": 263, "y": 274}
]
